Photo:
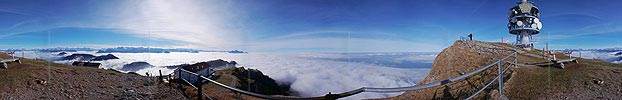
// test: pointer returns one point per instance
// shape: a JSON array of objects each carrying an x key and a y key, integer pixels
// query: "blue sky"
[{"x": 297, "y": 25}]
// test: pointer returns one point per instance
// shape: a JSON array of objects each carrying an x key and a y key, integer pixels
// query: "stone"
[
  {"x": 597, "y": 81},
  {"x": 5, "y": 66},
  {"x": 41, "y": 81}
]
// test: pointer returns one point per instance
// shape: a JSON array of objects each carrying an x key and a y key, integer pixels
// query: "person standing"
[{"x": 471, "y": 36}]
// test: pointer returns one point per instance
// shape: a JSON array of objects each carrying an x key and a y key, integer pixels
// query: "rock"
[
  {"x": 597, "y": 81},
  {"x": 129, "y": 90},
  {"x": 41, "y": 81}
]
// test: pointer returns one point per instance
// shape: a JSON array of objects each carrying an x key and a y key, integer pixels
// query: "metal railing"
[
  {"x": 198, "y": 86},
  {"x": 479, "y": 49},
  {"x": 335, "y": 96},
  {"x": 499, "y": 63}
]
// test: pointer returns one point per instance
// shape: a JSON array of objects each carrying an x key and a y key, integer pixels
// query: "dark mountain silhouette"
[
  {"x": 89, "y": 57},
  {"x": 105, "y": 57},
  {"x": 78, "y": 57},
  {"x": 135, "y": 66},
  {"x": 62, "y": 53}
]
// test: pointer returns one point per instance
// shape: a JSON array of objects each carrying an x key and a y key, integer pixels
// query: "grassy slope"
[
  {"x": 576, "y": 81},
  {"x": 525, "y": 82},
  {"x": 227, "y": 77},
  {"x": 454, "y": 61},
  {"x": 219, "y": 93}
]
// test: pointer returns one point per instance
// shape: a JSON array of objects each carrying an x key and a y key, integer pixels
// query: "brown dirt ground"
[
  {"x": 31, "y": 80},
  {"x": 24, "y": 81}
]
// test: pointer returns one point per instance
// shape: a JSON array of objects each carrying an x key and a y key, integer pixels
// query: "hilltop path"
[{"x": 533, "y": 78}]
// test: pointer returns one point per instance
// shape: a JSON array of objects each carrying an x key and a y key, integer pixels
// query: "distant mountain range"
[
  {"x": 144, "y": 50},
  {"x": 53, "y": 49},
  {"x": 599, "y": 50},
  {"x": 125, "y": 50},
  {"x": 613, "y": 55}
]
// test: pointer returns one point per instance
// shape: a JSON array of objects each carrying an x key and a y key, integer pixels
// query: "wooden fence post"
[
  {"x": 160, "y": 77},
  {"x": 179, "y": 79},
  {"x": 179, "y": 74},
  {"x": 199, "y": 88}
]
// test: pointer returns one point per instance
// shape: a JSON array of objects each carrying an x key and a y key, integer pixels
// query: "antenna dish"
[{"x": 523, "y": 22}]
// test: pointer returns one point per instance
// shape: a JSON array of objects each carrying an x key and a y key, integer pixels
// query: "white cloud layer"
[
  {"x": 308, "y": 75},
  {"x": 605, "y": 56}
]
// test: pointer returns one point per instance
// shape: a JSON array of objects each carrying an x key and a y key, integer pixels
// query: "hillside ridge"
[{"x": 533, "y": 73}]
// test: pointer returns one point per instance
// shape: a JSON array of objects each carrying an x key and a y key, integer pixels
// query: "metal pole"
[
  {"x": 547, "y": 51},
  {"x": 515, "y": 59},
  {"x": 500, "y": 78}
]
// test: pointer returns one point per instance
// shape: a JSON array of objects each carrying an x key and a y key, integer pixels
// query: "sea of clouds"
[
  {"x": 308, "y": 74},
  {"x": 605, "y": 56}
]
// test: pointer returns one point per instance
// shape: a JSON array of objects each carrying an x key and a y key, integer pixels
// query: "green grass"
[
  {"x": 224, "y": 76},
  {"x": 10, "y": 78},
  {"x": 555, "y": 74},
  {"x": 539, "y": 82},
  {"x": 4, "y": 82},
  {"x": 598, "y": 63}
]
